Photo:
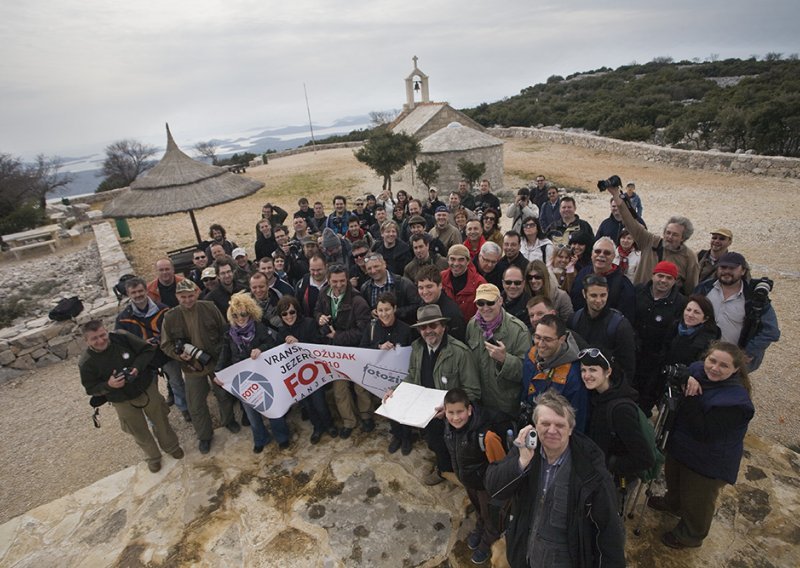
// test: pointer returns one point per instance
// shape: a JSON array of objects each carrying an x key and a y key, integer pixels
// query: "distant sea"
[{"x": 85, "y": 169}]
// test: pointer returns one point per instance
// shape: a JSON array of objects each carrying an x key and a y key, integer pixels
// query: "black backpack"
[{"x": 66, "y": 308}]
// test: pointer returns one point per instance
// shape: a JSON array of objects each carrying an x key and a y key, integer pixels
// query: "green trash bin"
[{"x": 123, "y": 228}]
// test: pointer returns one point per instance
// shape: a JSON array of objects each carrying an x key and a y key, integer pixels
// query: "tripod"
[{"x": 667, "y": 411}]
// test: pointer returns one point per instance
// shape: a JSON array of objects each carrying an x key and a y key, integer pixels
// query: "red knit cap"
[{"x": 666, "y": 267}]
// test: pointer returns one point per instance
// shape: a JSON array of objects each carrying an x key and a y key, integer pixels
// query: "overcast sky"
[{"x": 78, "y": 74}]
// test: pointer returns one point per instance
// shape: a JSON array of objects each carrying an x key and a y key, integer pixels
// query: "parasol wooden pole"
[{"x": 196, "y": 230}]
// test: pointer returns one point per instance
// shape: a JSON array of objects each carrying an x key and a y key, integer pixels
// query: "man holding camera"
[
  {"x": 116, "y": 366},
  {"x": 742, "y": 309},
  {"x": 563, "y": 498},
  {"x": 192, "y": 333}
]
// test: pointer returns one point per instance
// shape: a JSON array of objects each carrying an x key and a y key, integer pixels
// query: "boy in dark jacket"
[{"x": 472, "y": 447}]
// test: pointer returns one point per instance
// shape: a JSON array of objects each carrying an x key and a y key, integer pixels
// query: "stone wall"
[
  {"x": 777, "y": 166},
  {"x": 41, "y": 342},
  {"x": 320, "y": 146},
  {"x": 449, "y": 176}
]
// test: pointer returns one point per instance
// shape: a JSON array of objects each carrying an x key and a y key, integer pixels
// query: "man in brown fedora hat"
[{"x": 438, "y": 361}]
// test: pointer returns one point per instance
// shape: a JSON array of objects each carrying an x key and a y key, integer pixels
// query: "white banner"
[{"x": 290, "y": 372}]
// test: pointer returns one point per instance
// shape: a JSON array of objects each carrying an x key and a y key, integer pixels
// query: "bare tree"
[
  {"x": 207, "y": 150},
  {"x": 25, "y": 186},
  {"x": 382, "y": 117},
  {"x": 125, "y": 161}
]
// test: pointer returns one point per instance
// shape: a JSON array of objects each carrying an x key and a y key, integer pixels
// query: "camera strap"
[{"x": 96, "y": 417}]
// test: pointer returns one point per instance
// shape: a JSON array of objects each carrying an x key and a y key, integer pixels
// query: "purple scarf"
[
  {"x": 488, "y": 327},
  {"x": 243, "y": 336}
]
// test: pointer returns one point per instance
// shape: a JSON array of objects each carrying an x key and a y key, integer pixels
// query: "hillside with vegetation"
[{"x": 730, "y": 105}]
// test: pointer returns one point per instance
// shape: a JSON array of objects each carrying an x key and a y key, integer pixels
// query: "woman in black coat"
[
  {"x": 387, "y": 332},
  {"x": 693, "y": 333},
  {"x": 614, "y": 417},
  {"x": 295, "y": 328}
]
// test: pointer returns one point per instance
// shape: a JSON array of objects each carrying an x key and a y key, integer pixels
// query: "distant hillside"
[{"x": 730, "y": 105}]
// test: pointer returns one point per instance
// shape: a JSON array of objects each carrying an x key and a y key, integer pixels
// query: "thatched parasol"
[{"x": 179, "y": 183}]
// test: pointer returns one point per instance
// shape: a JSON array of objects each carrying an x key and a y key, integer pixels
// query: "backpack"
[
  {"x": 66, "y": 308},
  {"x": 613, "y": 322},
  {"x": 649, "y": 434}
]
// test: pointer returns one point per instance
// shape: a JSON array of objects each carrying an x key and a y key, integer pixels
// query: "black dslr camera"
[
  {"x": 127, "y": 374},
  {"x": 183, "y": 346},
  {"x": 676, "y": 374},
  {"x": 761, "y": 288},
  {"x": 613, "y": 181}
]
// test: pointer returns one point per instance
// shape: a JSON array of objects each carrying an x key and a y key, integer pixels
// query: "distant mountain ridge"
[{"x": 730, "y": 105}]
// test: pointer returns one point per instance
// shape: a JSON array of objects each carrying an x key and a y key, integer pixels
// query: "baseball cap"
[{"x": 488, "y": 292}]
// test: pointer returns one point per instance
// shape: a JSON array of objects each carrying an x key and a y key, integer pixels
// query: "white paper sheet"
[{"x": 412, "y": 405}]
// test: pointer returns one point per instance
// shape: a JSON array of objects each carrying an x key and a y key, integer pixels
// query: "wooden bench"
[{"x": 37, "y": 244}]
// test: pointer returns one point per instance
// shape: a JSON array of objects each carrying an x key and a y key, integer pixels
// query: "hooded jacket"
[
  {"x": 620, "y": 438},
  {"x": 562, "y": 373}
]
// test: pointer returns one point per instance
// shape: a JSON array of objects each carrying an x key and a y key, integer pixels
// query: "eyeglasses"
[
  {"x": 289, "y": 313},
  {"x": 594, "y": 353},
  {"x": 208, "y": 279},
  {"x": 512, "y": 282},
  {"x": 542, "y": 339},
  {"x": 489, "y": 260},
  {"x": 603, "y": 252},
  {"x": 483, "y": 303},
  {"x": 200, "y": 258},
  {"x": 529, "y": 226},
  {"x": 534, "y": 276}
]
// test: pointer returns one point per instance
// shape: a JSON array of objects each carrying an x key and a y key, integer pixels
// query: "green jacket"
[
  {"x": 454, "y": 363},
  {"x": 501, "y": 384},
  {"x": 203, "y": 327}
]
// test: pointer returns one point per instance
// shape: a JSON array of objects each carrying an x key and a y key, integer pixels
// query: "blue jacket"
[
  {"x": 700, "y": 439},
  {"x": 338, "y": 224},
  {"x": 766, "y": 333}
]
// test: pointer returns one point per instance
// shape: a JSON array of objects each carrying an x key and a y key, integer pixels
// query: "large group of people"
[{"x": 550, "y": 329}]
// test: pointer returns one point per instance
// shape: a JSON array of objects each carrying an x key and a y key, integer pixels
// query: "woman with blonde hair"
[
  {"x": 539, "y": 281},
  {"x": 247, "y": 337}
]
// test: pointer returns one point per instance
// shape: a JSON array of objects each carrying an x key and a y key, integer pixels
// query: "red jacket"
[
  {"x": 466, "y": 297},
  {"x": 474, "y": 250}
]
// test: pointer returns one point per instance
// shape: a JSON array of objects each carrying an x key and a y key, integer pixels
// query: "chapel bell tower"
[{"x": 416, "y": 82}]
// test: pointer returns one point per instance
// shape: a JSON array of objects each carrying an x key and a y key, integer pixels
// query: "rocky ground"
[
  {"x": 31, "y": 287},
  {"x": 51, "y": 449}
]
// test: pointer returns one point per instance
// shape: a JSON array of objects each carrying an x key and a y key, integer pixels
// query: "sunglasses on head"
[
  {"x": 482, "y": 303},
  {"x": 594, "y": 353}
]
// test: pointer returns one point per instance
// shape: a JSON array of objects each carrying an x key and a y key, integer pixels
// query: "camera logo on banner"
[
  {"x": 254, "y": 389},
  {"x": 377, "y": 377}
]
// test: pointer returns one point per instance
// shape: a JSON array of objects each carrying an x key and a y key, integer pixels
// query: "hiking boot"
[
  {"x": 669, "y": 539},
  {"x": 154, "y": 466},
  {"x": 245, "y": 420},
  {"x": 433, "y": 478},
  {"x": 333, "y": 432},
  {"x": 480, "y": 556},
  {"x": 204, "y": 446},
  {"x": 344, "y": 433},
  {"x": 315, "y": 437},
  {"x": 178, "y": 454},
  {"x": 405, "y": 449},
  {"x": 368, "y": 426},
  {"x": 233, "y": 427},
  {"x": 395, "y": 445},
  {"x": 474, "y": 539}
]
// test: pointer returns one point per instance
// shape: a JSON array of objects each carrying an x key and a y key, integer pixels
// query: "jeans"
[
  {"x": 262, "y": 437},
  {"x": 172, "y": 369}
]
